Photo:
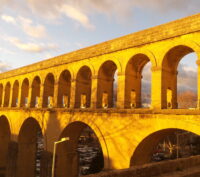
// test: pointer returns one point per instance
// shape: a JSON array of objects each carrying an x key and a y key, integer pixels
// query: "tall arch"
[
  {"x": 7, "y": 94},
  {"x": 64, "y": 89},
  {"x": 1, "y": 93},
  {"x": 24, "y": 93},
  {"x": 166, "y": 140},
  {"x": 68, "y": 160},
  {"x": 105, "y": 87},
  {"x": 48, "y": 90},
  {"x": 169, "y": 74},
  {"x": 27, "y": 148},
  {"x": 83, "y": 87},
  {"x": 15, "y": 94},
  {"x": 133, "y": 85},
  {"x": 4, "y": 140},
  {"x": 35, "y": 94}
]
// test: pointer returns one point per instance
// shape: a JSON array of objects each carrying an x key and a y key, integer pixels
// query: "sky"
[{"x": 34, "y": 30}]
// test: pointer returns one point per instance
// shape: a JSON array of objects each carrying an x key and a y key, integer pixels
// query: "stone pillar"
[
  {"x": 94, "y": 92},
  {"x": 198, "y": 84},
  {"x": 121, "y": 90},
  {"x": 174, "y": 90},
  {"x": 73, "y": 91},
  {"x": 11, "y": 96},
  {"x": 3, "y": 97},
  {"x": 56, "y": 85},
  {"x": 29, "y": 96},
  {"x": 40, "y": 101},
  {"x": 12, "y": 159},
  {"x": 19, "y": 96},
  {"x": 156, "y": 88}
]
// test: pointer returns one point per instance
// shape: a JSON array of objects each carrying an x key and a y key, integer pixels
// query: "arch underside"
[{"x": 69, "y": 152}]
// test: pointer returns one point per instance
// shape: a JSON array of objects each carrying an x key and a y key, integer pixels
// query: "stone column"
[
  {"x": 12, "y": 159},
  {"x": 198, "y": 84},
  {"x": 94, "y": 92},
  {"x": 156, "y": 88},
  {"x": 40, "y": 101},
  {"x": 19, "y": 96},
  {"x": 120, "y": 90},
  {"x": 3, "y": 96},
  {"x": 11, "y": 96},
  {"x": 29, "y": 96},
  {"x": 56, "y": 84},
  {"x": 72, "y": 95}
]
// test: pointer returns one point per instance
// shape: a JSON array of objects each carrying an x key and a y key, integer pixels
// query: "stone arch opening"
[
  {"x": 187, "y": 82},
  {"x": 30, "y": 146},
  {"x": 35, "y": 95},
  {"x": 15, "y": 93},
  {"x": 134, "y": 97},
  {"x": 7, "y": 94},
  {"x": 24, "y": 93},
  {"x": 105, "y": 88},
  {"x": 83, "y": 88},
  {"x": 4, "y": 140},
  {"x": 169, "y": 74},
  {"x": 164, "y": 145},
  {"x": 81, "y": 154},
  {"x": 64, "y": 89},
  {"x": 1, "y": 93},
  {"x": 48, "y": 91}
]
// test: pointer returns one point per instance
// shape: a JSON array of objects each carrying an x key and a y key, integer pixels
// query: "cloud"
[
  {"x": 4, "y": 3},
  {"x": 53, "y": 10},
  {"x": 36, "y": 31},
  {"x": 169, "y": 5},
  {"x": 187, "y": 78},
  {"x": 4, "y": 50},
  {"x": 8, "y": 19},
  {"x": 81, "y": 10},
  {"x": 77, "y": 15},
  {"x": 4, "y": 66},
  {"x": 27, "y": 25},
  {"x": 31, "y": 47}
]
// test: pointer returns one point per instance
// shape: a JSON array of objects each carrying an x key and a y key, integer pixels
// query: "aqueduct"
[{"x": 60, "y": 96}]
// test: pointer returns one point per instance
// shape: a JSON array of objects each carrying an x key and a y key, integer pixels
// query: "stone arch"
[
  {"x": 64, "y": 89},
  {"x": 117, "y": 63},
  {"x": 86, "y": 64},
  {"x": 67, "y": 157},
  {"x": 169, "y": 74},
  {"x": 1, "y": 93},
  {"x": 5, "y": 135},
  {"x": 105, "y": 86},
  {"x": 187, "y": 43},
  {"x": 27, "y": 148},
  {"x": 48, "y": 90},
  {"x": 35, "y": 93},
  {"x": 15, "y": 94},
  {"x": 7, "y": 95},
  {"x": 24, "y": 93},
  {"x": 145, "y": 149},
  {"x": 83, "y": 87},
  {"x": 133, "y": 79}
]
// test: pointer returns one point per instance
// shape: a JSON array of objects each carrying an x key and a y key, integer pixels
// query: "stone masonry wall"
[{"x": 154, "y": 169}]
